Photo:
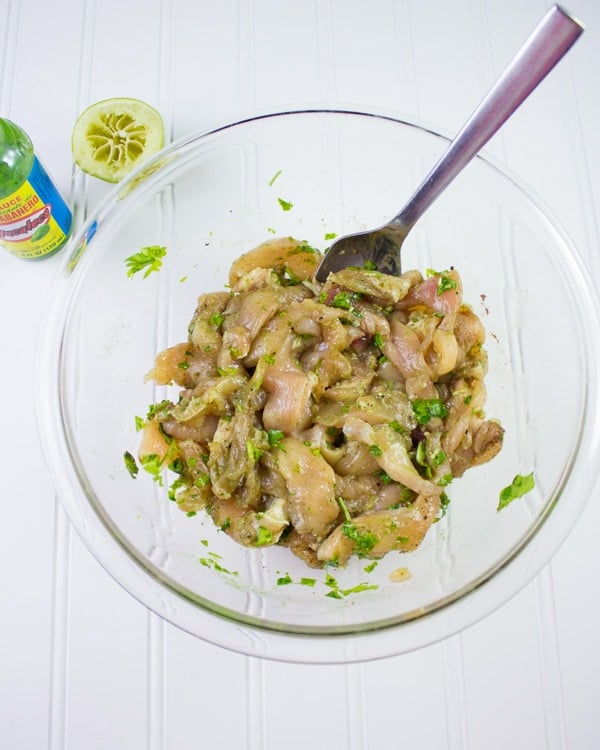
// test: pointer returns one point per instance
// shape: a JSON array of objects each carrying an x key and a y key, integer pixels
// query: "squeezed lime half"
[{"x": 113, "y": 136}]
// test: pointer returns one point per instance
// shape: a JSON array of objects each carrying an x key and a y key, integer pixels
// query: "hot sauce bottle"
[{"x": 35, "y": 221}]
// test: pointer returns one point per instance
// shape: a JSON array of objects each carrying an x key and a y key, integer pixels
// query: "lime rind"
[{"x": 113, "y": 136}]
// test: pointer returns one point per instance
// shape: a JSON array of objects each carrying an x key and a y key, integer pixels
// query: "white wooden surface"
[{"x": 84, "y": 666}]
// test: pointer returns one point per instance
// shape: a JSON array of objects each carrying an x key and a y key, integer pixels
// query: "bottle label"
[{"x": 34, "y": 220}]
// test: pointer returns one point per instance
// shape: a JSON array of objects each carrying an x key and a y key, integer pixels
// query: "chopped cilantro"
[
  {"x": 421, "y": 455},
  {"x": 330, "y": 235},
  {"x": 370, "y": 265},
  {"x": 216, "y": 319},
  {"x": 308, "y": 581},
  {"x": 177, "y": 466},
  {"x": 285, "y": 205},
  {"x": 519, "y": 486},
  {"x": 384, "y": 477},
  {"x": 152, "y": 463},
  {"x": 397, "y": 427},
  {"x": 444, "y": 503},
  {"x": 378, "y": 340},
  {"x": 344, "y": 508},
  {"x": 364, "y": 541},
  {"x": 375, "y": 450},
  {"x": 174, "y": 486},
  {"x": 275, "y": 438},
  {"x": 203, "y": 480},
  {"x": 371, "y": 567},
  {"x": 210, "y": 562},
  {"x": 159, "y": 410},
  {"x": 254, "y": 452},
  {"x": 284, "y": 580},
  {"x": 130, "y": 464},
  {"x": 149, "y": 258},
  {"x": 427, "y": 408},
  {"x": 263, "y": 537},
  {"x": 439, "y": 458},
  {"x": 183, "y": 365},
  {"x": 445, "y": 284},
  {"x": 139, "y": 424},
  {"x": 360, "y": 587},
  {"x": 345, "y": 300}
]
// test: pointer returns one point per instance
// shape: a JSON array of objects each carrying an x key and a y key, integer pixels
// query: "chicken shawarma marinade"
[{"x": 329, "y": 418}]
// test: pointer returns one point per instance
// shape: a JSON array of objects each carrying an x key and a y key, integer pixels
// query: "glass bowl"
[{"x": 214, "y": 196}]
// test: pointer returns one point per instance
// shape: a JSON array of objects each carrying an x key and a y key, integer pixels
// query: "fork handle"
[{"x": 550, "y": 40}]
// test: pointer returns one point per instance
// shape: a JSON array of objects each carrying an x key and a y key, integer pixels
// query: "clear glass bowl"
[{"x": 214, "y": 196}]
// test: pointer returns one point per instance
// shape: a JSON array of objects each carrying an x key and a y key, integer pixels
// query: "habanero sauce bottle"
[{"x": 35, "y": 221}]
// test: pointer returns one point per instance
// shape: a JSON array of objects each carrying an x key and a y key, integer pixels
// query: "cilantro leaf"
[
  {"x": 275, "y": 438},
  {"x": 149, "y": 258},
  {"x": 427, "y": 408},
  {"x": 519, "y": 486},
  {"x": 130, "y": 464}
]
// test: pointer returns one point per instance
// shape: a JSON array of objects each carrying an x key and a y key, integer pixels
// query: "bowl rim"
[{"x": 249, "y": 634}]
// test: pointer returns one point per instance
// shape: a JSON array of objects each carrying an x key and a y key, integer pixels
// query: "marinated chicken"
[{"x": 329, "y": 418}]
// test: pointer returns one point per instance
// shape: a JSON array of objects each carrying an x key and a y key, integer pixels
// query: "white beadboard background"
[{"x": 85, "y": 667}]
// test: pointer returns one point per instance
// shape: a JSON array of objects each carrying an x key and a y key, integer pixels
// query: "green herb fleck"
[
  {"x": 519, "y": 486},
  {"x": 285, "y": 205},
  {"x": 330, "y": 235},
  {"x": 153, "y": 465},
  {"x": 263, "y": 537},
  {"x": 445, "y": 284},
  {"x": 173, "y": 487},
  {"x": 378, "y": 340},
  {"x": 364, "y": 541},
  {"x": 284, "y": 580},
  {"x": 384, "y": 477},
  {"x": 210, "y": 562},
  {"x": 345, "y": 300},
  {"x": 216, "y": 319},
  {"x": 139, "y": 424},
  {"x": 444, "y": 503},
  {"x": 308, "y": 581},
  {"x": 427, "y": 408},
  {"x": 149, "y": 258},
  {"x": 254, "y": 452},
  {"x": 159, "y": 410},
  {"x": 375, "y": 450},
  {"x": 275, "y": 176},
  {"x": 275, "y": 438},
  {"x": 202, "y": 480},
  {"x": 371, "y": 567},
  {"x": 360, "y": 587},
  {"x": 130, "y": 464}
]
